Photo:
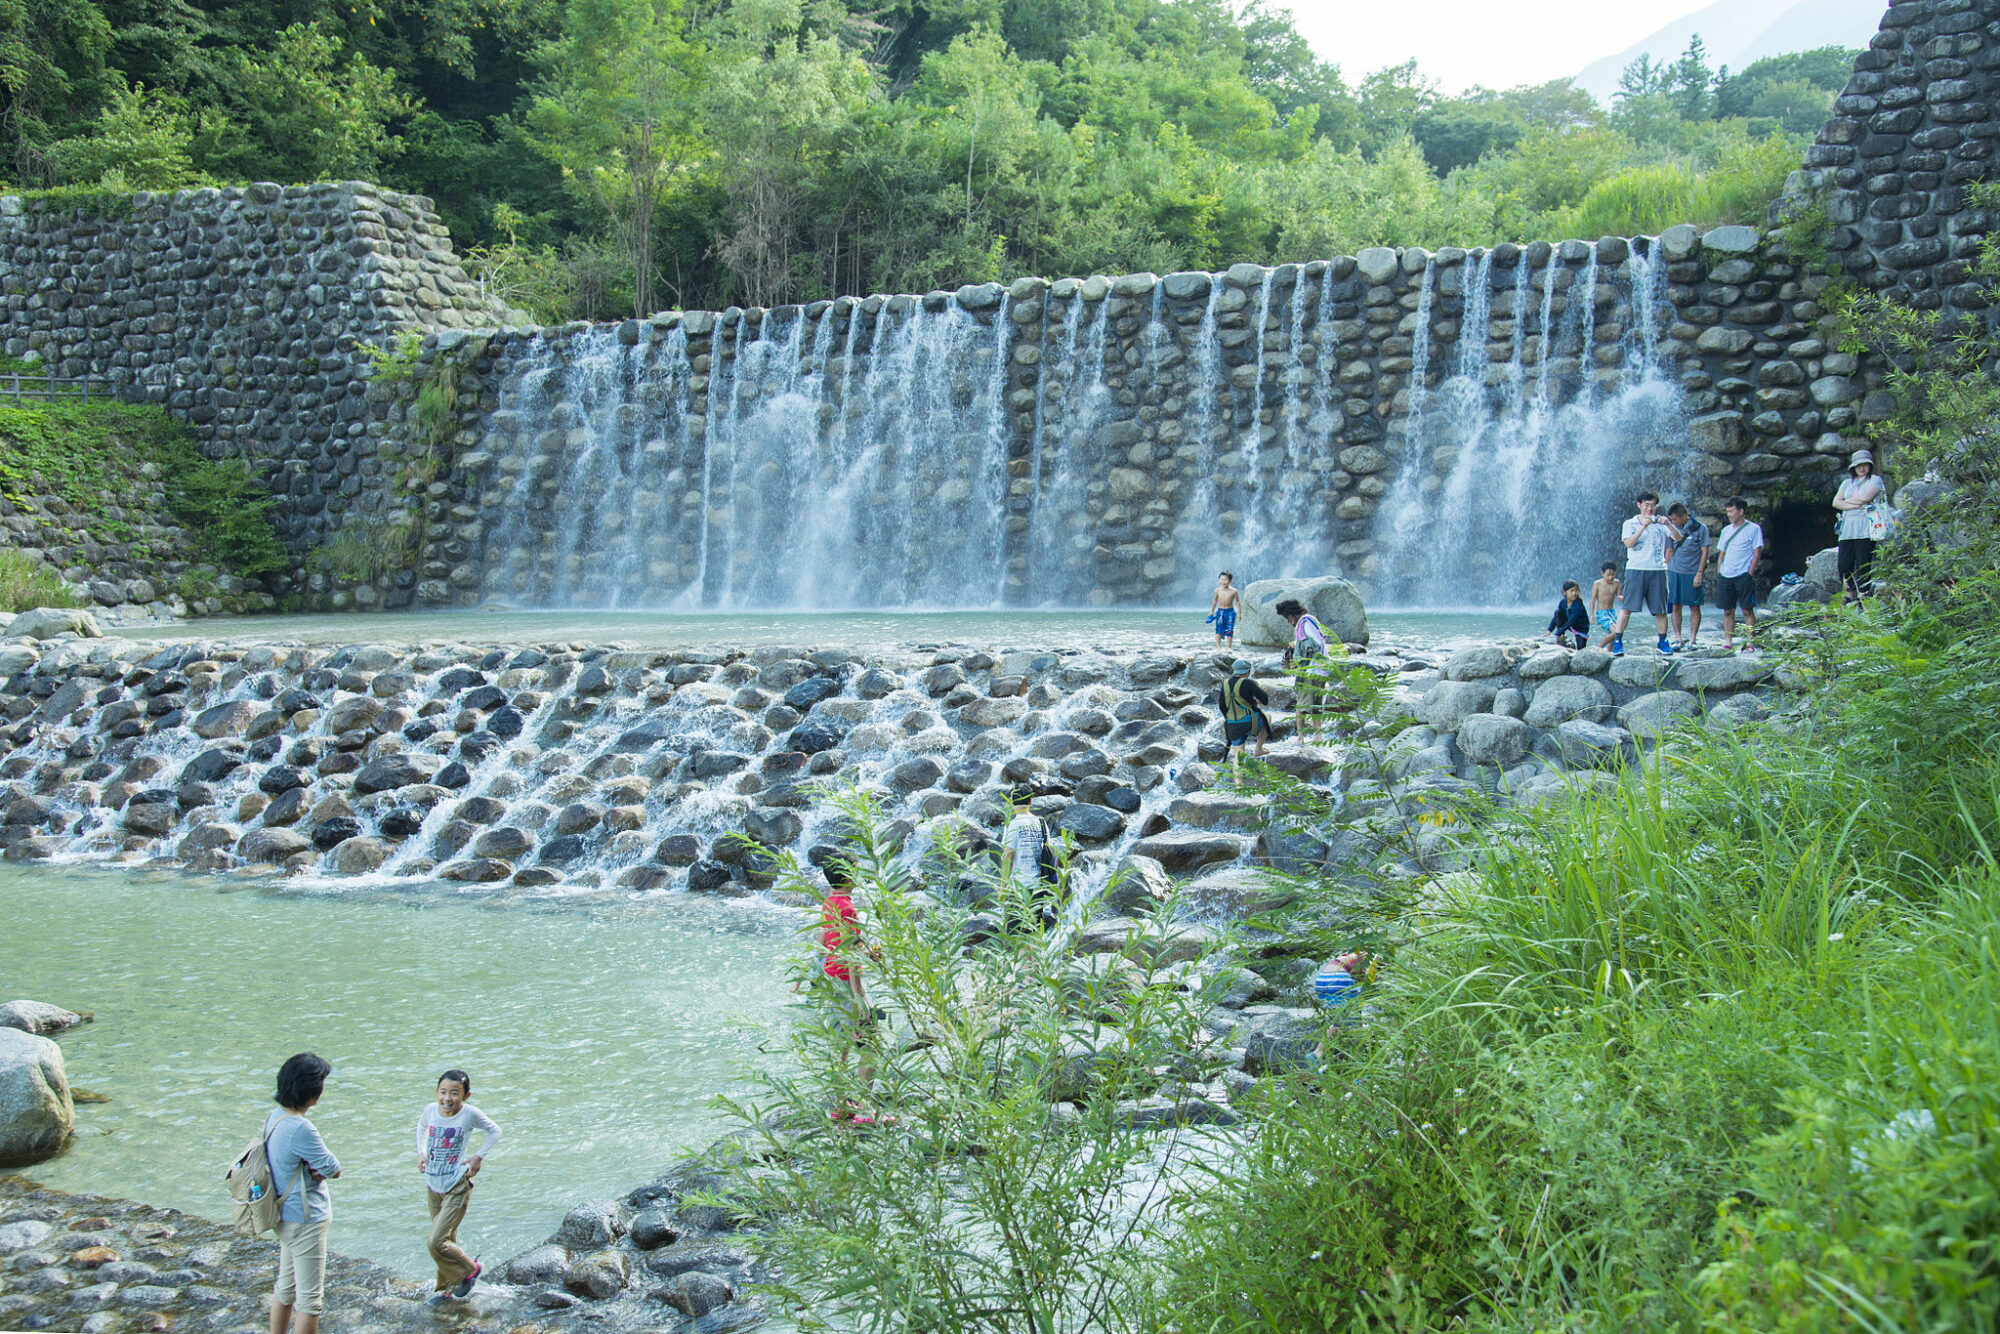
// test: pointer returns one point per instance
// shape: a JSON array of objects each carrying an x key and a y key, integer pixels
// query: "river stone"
[
  {"x": 773, "y": 828},
  {"x": 1721, "y": 673},
  {"x": 810, "y": 692},
  {"x": 1236, "y": 892},
  {"x": 287, "y": 807},
  {"x": 1475, "y": 664},
  {"x": 360, "y": 855},
  {"x": 1489, "y": 738},
  {"x": 1561, "y": 698},
  {"x": 149, "y": 819},
  {"x": 39, "y": 1017},
  {"x": 1377, "y": 264},
  {"x": 1336, "y": 602},
  {"x": 1091, "y": 824},
  {"x": 48, "y": 622},
  {"x": 1544, "y": 663},
  {"x": 390, "y": 772},
  {"x": 1644, "y": 670},
  {"x": 36, "y": 1115},
  {"x": 1656, "y": 714},
  {"x": 1187, "y": 850},
  {"x": 696, "y": 1293},
  {"x": 547, "y": 1263},
  {"x": 506, "y": 841},
  {"x": 211, "y": 766},
  {"x": 1142, "y": 886},
  {"x": 598, "y": 1276},
  {"x": 356, "y": 711},
  {"x": 593, "y": 1224},
  {"x": 1284, "y": 1041},
  {"x": 330, "y": 834},
  {"x": 1450, "y": 703},
  {"x": 476, "y": 870},
  {"x": 225, "y": 719},
  {"x": 280, "y": 779},
  {"x": 1220, "y": 810},
  {"x": 1582, "y": 744},
  {"x": 988, "y": 712},
  {"x": 271, "y": 844},
  {"x": 814, "y": 736}
]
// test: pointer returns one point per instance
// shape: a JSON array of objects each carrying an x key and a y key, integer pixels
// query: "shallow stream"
[{"x": 596, "y": 1038}]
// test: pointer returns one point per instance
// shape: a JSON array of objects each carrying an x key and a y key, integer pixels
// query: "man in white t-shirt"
[
  {"x": 1647, "y": 536},
  {"x": 1738, "y": 549}
]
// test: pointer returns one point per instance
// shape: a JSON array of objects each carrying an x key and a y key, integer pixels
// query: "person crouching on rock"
[
  {"x": 1243, "y": 702},
  {"x": 444, "y": 1132},
  {"x": 301, "y": 1165}
]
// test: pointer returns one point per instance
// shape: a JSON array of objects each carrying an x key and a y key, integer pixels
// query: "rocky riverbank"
[
  {"x": 575, "y": 769},
  {"x": 107, "y": 1266}
]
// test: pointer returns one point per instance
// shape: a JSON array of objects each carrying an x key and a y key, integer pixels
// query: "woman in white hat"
[{"x": 1857, "y": 548}]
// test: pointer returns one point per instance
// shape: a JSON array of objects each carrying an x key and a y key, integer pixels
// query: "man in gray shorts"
[{"x": 1647, "y": 536}]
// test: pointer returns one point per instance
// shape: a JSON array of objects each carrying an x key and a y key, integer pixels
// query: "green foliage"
[
  {"x": 85, "y": 455},
  {"x": 1747, "y": 176},
  {"x": 26, "y": 583},
  {"x": 364, "y": 548},
  {"x": 141, "y": 141},
  {"x": 998, "y": 1182},
  {"x": 596, "y": 158},
  {"x": 397, "y": 362}
]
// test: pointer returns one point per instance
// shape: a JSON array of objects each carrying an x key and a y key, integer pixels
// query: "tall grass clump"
[
  {"x": 26, "y": 583},
  {"x": 1715, "y": 1049},
  {"x": 1644, "y": 200}
]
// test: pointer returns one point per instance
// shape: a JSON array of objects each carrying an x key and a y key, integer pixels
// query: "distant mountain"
[{"x": 1738, "y": 32}]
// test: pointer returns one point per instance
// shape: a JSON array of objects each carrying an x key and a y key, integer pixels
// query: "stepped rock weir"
[{"x": 1443, "y": 428}]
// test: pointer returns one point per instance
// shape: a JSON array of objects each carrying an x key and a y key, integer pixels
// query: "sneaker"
[
  {"x": 438, "y": 1298},
  {"x": 464, "y": 1288},
  {"x": 1665, "y": 645},
  {"x": 1618, "y": 646},
  {"x": 1680, "y": 645}
]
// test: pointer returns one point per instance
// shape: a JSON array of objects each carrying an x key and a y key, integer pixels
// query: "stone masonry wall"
[
  {"x": 241, "y": 310},
  {"x": 1912, "y": 132}
]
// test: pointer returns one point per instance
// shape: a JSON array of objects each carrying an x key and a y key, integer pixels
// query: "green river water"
[{"x": 596, "y": 1038}]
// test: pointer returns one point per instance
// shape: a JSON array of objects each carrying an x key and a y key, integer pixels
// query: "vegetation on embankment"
[{"x": 121, "y": 493}]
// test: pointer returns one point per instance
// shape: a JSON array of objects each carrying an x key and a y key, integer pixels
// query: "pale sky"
[{"x": 1462, "y": 42}]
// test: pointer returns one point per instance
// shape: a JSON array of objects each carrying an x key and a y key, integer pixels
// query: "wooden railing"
[{"x": 18, "y": 385}]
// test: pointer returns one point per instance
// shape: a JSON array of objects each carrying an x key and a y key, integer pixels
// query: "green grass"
[
  {"x": 1716, "y": 1051},
  {"x": 1647, "y": 200},
  {"x": 91, "y": 455},
  {"x": 26, "y": 583}
]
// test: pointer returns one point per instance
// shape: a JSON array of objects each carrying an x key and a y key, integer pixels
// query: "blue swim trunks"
[
  {"x": 1225, "y": 623},
  {"x": 1607, "y": 619}
]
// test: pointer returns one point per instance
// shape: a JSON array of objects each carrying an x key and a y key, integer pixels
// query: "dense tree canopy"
[{"x": 600, "y": 156}]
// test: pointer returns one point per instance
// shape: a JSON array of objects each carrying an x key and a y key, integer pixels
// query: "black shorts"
[
  {"x": 1239, "y": 733},
  {"x": 1736, "y": 592},
  {"x": 1856, "y": 555}
]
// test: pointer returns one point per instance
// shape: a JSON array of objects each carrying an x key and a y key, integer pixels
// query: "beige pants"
[
  {"x": 447, "y": 1212},
  {"x": 302, "y": 1266}
]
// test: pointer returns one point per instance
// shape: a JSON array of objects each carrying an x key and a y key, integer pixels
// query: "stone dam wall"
[{"x": 1393, "y": 416}]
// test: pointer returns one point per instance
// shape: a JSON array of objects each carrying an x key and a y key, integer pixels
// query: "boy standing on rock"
[
  {"x": 1647, "y": 536},
  {"x": 1222, "y": 609},
  {"x": 1604, "y": 601},
  {"x": 1685, "y": 571},
  {"x": 1739, "y": 546},
  {"x": 444, "y": 1133}
]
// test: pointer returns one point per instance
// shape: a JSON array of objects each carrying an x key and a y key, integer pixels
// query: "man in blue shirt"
[{"x": 1686, "y": 570}]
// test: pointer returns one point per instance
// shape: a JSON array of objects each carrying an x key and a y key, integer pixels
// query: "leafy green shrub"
[
  {"x": 1002, "y": 1183},
  {"x": 1649, "y": 199},
  {"x": 229, "y": 510},
  {"x": 26, "y": 583}
]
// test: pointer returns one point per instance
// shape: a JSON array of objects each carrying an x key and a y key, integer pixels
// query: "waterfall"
[
  {"x": 1087, "y": 443},
  {"x": 1504, "y": 492}
]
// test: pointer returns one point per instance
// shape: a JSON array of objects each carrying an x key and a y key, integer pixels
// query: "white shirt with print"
[
  {"x": 443, "y": 1141},
  {"x": 1650, "y": 551}
]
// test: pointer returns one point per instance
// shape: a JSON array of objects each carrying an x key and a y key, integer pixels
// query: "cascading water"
[
  {"x": 1087, "y": 445},
  {"x": 1515, "y": 475}
]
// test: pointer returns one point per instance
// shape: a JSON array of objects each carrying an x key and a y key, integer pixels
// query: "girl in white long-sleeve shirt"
[{"x": 443, "y": 1137}]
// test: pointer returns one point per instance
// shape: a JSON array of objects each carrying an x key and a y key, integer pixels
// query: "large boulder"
[
  {"x": 1561, "y": 698},
  {"x": 1657, "y": 714},
  {"x": 1489, "y": 738},
  {"x": 39, "y": 1017},
  {"x": 36, "y": 1115},
  {"x": 48, "y": 622},
  {"x": 1336, "y": 602},
  {"x": 1450, "y": 703}
]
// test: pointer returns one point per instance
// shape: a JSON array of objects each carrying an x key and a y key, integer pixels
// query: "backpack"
[
  {"x": 254, "y": 1200},
  {"x": 1046, "y": 865}
]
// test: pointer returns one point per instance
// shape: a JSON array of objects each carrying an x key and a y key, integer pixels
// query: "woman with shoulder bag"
[
  {"x": 1863, "y": 522},
  {"x": 301, "y": 1165}
]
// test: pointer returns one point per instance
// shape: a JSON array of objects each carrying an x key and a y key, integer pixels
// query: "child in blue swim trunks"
[{"x": 1222, "y": 609}]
